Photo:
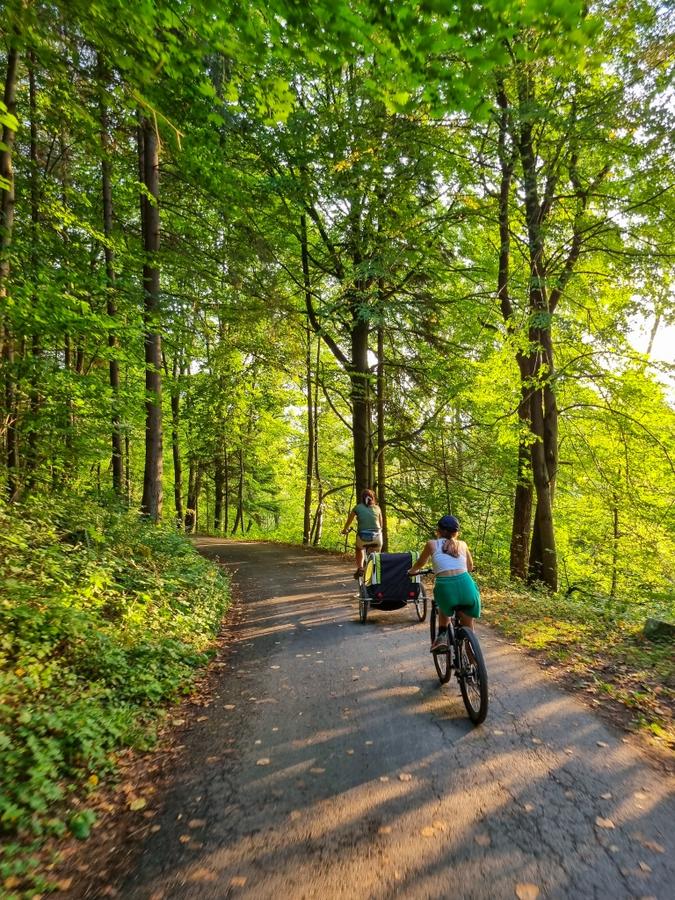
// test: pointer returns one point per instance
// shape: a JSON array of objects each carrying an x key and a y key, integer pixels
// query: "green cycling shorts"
[{"x": 457, "y": 592}]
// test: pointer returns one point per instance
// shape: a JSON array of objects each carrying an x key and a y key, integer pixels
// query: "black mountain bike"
[{"x": 465, "y": 657}]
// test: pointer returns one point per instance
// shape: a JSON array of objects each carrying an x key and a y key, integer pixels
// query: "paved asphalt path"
[{"x": 332, "y": 764}]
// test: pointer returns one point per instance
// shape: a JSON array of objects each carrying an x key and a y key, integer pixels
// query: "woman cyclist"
[
  {"x": 454, "y": 587},
  {"x": 368, "y": 516}
]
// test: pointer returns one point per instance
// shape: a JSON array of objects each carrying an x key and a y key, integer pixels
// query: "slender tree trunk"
[
  {"x": 35, "y": 398},
  {"x": 360, "y": 383},
  {"x": 194, "y": 488},
  {"x": 175, "y": 443},
  {"x": 219, "y": 492},
  {"x": 615, "y": 544},
  {"x": 543, "y": 411},
  {"x": 309, "y": 469},
  {"x": 151, "y": 504},
  {"x": 111, "y": 307},
  {"x": 7, "y": 200},
  {"x": 226, "y": 485},
  {"x": 522, "y": 502},
  {"x": 381, "y": 460}
]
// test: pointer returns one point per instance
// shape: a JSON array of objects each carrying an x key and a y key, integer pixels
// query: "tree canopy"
[{"x": 257, "y": 257}]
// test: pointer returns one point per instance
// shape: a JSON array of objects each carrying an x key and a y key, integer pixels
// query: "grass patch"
[
  {"x": 600, "y": 644},
  {"x": 104, "y": 619}
]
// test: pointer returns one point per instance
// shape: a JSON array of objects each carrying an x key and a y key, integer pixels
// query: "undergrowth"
[
  {"x": 103, "y": 620},
  {"x": 601, "y": 643}
]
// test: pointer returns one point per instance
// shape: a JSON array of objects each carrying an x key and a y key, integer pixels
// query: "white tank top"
[{"x": 443, "y": 562}]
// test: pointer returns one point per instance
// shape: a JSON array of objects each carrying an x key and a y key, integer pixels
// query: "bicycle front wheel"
[
  {"x": 421, "y": 602},
  {"x": 472, "y": 675},
  {"x": 441, "y": 658}
]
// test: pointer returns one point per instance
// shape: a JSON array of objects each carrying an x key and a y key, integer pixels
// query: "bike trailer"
[{"x": 387, "y": 581}]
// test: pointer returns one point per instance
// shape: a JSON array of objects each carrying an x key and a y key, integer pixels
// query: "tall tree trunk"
[
  {"x": 615, "y": 544},
  {"x": 309, "y": 468},
  {"x": 194, "y": 488},
  {"x": 359, "y": 375},
  {"x": 219, "y": 492},
  {"x": 175, "y": 444},
  {"x": 6, "y": 227},
  {"x": 226, "y": 485},
  {"x": 151, "y": 504},
  {"x": 522, "y": 501},
  {"x": 543, "y": 412},
  {"x": 381, "y": 461},
  {"x": 36, "y": 353},
  {"x": 111, "y": 307}
]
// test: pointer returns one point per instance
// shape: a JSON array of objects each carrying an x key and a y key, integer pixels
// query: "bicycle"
[{"x": 465, "y": 657}]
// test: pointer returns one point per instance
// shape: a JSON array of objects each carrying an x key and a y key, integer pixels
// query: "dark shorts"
[{"x": 457, "y": 592}]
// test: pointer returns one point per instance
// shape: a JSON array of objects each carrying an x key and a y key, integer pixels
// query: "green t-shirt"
[{"x": 367, "y": 517}]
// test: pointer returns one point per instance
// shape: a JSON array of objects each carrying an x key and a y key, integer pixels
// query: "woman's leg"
[
  {"x": 360, "y": 554},
  {"x": 465, "y": 619}
]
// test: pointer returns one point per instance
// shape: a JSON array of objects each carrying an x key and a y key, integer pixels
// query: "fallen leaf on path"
[
  {"x": 645, "y": 867},
  {"x": 606, "y": 796},
  {"x": 527, "y": 891},
  {"x": 317, "y": 770},
  {"x": 263, "y": 762},
  {"x": 439, "y": 825},
  {"x": 138, "y": 803},
  {"x": 405, "y": 776},
  {"x": 237, "y": 881},
  {"x": 427, "y": 831},
  {"x": 498, "y": 731},
  {"x": 184, "y": 838},
  {"x": 639, "y": 795},
  {"x": 196, "y": 823},
  {"x": 569, "y": 751},
  {"x": 275, "y": 667},
  {"x": 384, "y": 778},
  {"x": 65, "y": 884},
  {"x": 604, "y": 823},
  {"x": 384, "y": 829},
  {"x": 350, "y": 752},
  {"x": 294, "y": 815},
  {"x": 536, "y": 741},
  {"x": 178, "y": 722},
  {"x": 602, "y": 743},
  {"x": 202, "y": 874},
  {"x": 155, "y": 828},
  {"x": 653, "y": 845},
  {"x": 356, "y": 677},
  {"x": 483, "y": 840},
  {"x": 202, "y": 718},
  {"x": 528, "y": 807},
  {"x": 368, "y": 743},
  {"x": 229, "y": 706}
]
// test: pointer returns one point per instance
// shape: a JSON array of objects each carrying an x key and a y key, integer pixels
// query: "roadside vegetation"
[
  {"x": 104, "y": 620},
  {"x": 599, "y": 649}
]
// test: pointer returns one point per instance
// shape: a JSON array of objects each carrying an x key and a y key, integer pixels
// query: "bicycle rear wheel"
[
  {"x": 364, "y": 602},
  {"x": 472, "y": 675},
  {"x": 421, "y": 602},
  {"x": 441, "y": 658}
]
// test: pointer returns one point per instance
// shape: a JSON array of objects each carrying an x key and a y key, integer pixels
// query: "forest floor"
[
  {"x": 321, "y": 758},
  {"x": 606, "y": 659}
]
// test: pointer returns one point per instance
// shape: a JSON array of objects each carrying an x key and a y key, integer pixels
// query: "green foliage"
[{"x": 103, "y": 620}]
